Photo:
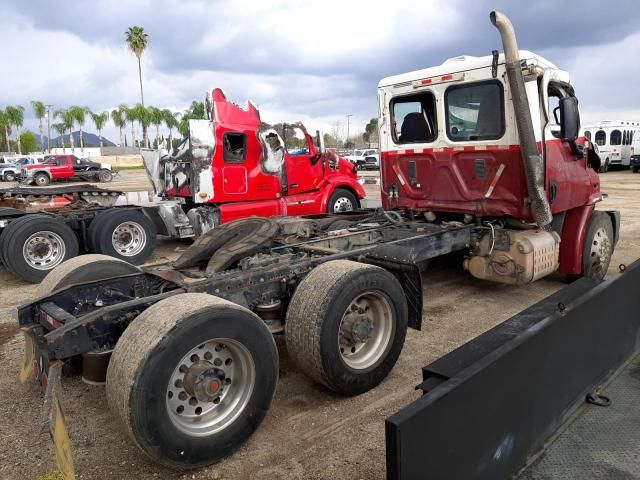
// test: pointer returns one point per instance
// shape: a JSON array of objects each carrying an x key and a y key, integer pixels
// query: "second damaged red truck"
[{"x": 233, "y": 166}]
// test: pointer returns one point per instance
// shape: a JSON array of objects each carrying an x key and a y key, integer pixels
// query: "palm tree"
[
  {"x": 16, "y": 118},
  {"x": 131, "y": 115},
  {"x": 79, "y": 116},
  {"x": 5, "y": 123},
  {"x": 99, "y": 120},
  {"x": 143, "y": 115},
  {"x": 119, "y": 120},
  {"x": 156, "y": 117},
  {"x": 68, "y": 120},
  {"x": 40, "y": 110},
  {"x": 61, "y": 128},
  {"x": 137, "y": 41},
  {"x": 171, "y": 121}
]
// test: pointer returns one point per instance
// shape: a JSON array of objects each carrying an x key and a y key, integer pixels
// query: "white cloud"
[{"x": 314, "y": 62}]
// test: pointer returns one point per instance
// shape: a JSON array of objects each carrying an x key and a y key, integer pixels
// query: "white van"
[{"x": 614, "y": 139}]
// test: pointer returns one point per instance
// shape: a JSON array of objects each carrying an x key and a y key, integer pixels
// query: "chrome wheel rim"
[
  {"x": 600, "y": 253},
  {"x": 41, "y": 180},
  {"x": 44, "y": 250},
  {"x": 210, "y": 387},
  {"x": 342, "y": 204},
  {"x": 129, "y": 239},
  {"x": 366, "y": 330}
]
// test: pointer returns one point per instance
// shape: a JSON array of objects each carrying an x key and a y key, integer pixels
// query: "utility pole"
[
  {"x": 348, "y": 117},
  {"x": 49, "y": 128}
]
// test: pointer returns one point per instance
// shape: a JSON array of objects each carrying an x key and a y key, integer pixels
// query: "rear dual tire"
[
  {"x": 176, "y": 420},
  {"x": 35, "y": 244},
  {"x": 346, "y": 325},
  {"x": 123, "y": 233}
]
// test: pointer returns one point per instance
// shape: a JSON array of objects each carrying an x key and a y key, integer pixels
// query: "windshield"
[{"x": 357, "y": 153}]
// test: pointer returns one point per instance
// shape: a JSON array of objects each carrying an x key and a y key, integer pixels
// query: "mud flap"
[
  {"x": 28, "y": 360},
  {"x": 54, "y": 423}
]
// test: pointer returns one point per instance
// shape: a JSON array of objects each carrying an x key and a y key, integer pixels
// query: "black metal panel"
[{"x": 491, "y": 404}]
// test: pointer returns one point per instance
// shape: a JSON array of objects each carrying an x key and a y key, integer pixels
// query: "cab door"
[
  {"x": 62, "y": 167},
  {"x": 304, "y": 168},
  {"x": 234, "y": 170}
]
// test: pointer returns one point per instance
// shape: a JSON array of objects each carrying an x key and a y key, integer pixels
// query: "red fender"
[{"x": 574, "y": 230}]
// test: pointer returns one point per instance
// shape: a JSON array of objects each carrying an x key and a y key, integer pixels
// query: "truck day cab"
[
  {"x": 473, "y": 161},
  {"x": 233, "y": 166}
]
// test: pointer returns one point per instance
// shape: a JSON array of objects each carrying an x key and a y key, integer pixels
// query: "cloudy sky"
[{"x": 299, "y": 60}]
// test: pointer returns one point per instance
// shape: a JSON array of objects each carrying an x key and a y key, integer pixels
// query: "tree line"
[{"x": 66, "y": 121}]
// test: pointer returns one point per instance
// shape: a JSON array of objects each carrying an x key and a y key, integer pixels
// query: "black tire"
[
  {"x": 31, "y": 266},
  {"x": 635, "y": 169},
  {"x": 342, "y": 200},
  {"x": 82, "y": 269},
  {"x": 228, "y": 243},
  {"x": 313, "y": 330},
  {"x": 605, "y": 166},
  {"x": 123, "y": 233},
  {"x": 9, "y": 177},
  {"x": 144, "y": 361},
  {"x": 340, "y": 225},
  {"x": 105, "y": 176},
  {"x": 598, "y": 246},
  {"x": 41, "y": 179}
]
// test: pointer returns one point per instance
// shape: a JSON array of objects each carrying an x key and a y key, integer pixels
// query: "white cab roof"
[{"x": 462, "y": 63}]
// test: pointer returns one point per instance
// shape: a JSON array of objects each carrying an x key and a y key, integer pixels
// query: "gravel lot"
[{"x": 309, "y": 432}]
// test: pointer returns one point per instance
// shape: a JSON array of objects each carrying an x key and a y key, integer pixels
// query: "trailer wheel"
[
  {"x": 123, "y": 233},
  {"x": 342, "y": 200},
  {"x": 9, "y": 177},
  {"x": 598, "y": 246},
  {"x": 105, "y": 176},
  {"x": 35, "y": 244},
  {"x": 82, "y": 269},
  {"x": 346, "y": 325},
  {"x": 191, "y": 378},
  {"x": 41, "y": 179}
]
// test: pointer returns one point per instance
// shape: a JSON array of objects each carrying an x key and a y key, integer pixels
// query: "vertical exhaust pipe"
[{"x": 531, "y": 158}]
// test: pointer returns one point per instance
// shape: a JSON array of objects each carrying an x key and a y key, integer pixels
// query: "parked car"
[
  {"x": 59, "y": 167},
  {"x": 367, "y": 159},
  {"x": 8, "y": 172}
]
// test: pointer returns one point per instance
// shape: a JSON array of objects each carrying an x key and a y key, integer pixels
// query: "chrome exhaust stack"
[{"x": 531, "y": 158}]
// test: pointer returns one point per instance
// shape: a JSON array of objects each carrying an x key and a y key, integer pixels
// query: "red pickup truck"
[
  {"x": 232, "y": 166},
  {"x": 59, "y": 167}
]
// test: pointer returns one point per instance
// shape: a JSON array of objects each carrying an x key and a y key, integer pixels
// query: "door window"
[
  {"x": 587, "y": 134},
  {"x": 414, "y": 118},
  {"x": 475, "y": 111},
  {"x": 601, "y": 137}
]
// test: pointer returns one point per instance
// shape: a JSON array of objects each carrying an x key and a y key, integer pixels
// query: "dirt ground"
[{"x": 309, "y": 433}]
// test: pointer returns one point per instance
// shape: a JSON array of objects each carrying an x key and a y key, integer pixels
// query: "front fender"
[
  {"x": 348, "y": 181},
  {"x": 334, "y": 183}
]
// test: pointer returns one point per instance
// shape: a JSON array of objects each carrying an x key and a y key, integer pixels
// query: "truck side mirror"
[{"x": 569, "y": 119}]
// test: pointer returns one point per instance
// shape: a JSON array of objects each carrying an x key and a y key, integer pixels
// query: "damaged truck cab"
[
  {"x": 494, "y": 141},
  {"x": 233, "y": 166}
]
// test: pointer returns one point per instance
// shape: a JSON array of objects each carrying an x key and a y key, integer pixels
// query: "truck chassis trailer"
[{"x": 41, "y": 228}]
